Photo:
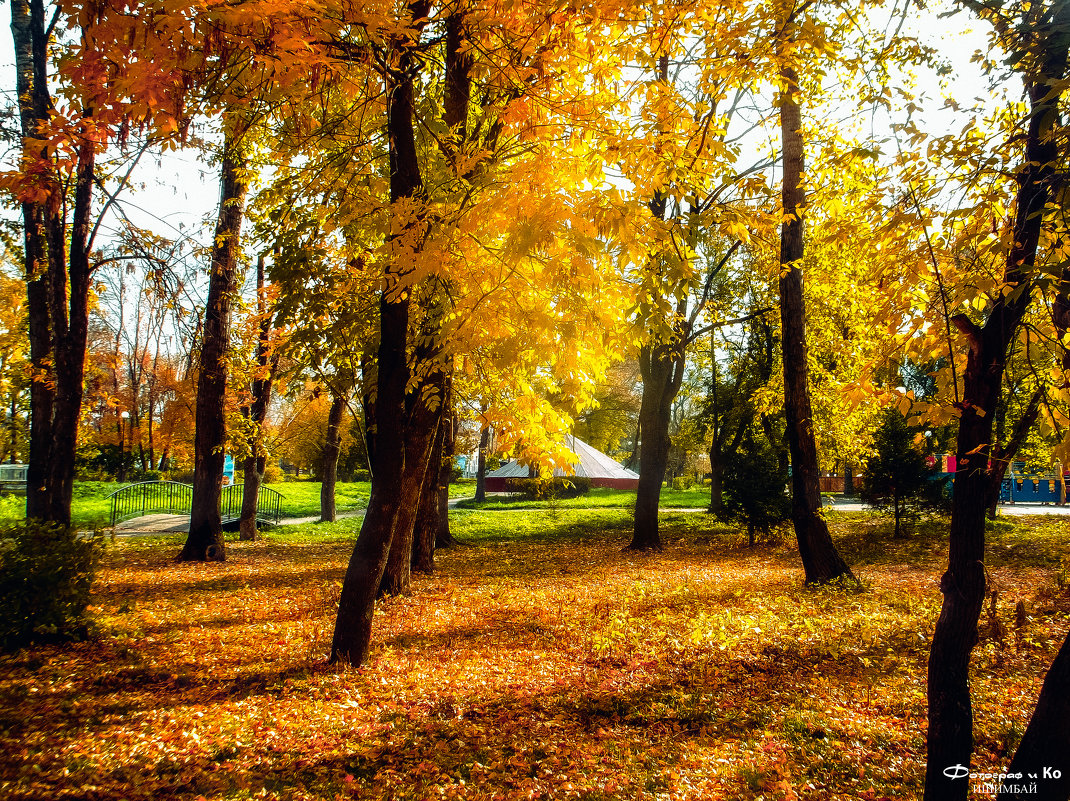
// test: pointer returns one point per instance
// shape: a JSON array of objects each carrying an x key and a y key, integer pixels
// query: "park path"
[{"x": 165, "y": 524}]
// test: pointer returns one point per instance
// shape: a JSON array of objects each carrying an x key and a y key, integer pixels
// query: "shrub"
[
  {"x": 754, "y": 488},
  {"x": 273, "y": 474},
  {"x": 542, "y": 489},
  {"x": 896, "y": 478},
  {"x": 46, "y": 572}
]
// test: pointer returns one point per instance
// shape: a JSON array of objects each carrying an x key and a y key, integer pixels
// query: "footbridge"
[{"x": 173, "y": 497}]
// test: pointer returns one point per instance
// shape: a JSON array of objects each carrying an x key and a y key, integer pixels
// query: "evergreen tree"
[{"x": 897, "y": 478}]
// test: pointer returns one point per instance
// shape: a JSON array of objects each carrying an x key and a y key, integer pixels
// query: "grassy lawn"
[
  {"x": 598, "y": 497},
  {"x": 540, "y": 661},
  {"x": 91, "y": 508}
]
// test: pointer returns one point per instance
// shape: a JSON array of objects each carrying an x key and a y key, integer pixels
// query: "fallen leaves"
[{"x": 556, "y": 667}]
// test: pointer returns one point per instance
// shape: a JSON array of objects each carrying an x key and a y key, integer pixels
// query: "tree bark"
[
  {"x": 57, "y": 287},
  {"x": 356, "y": 607},
  {"x": 1003, "y": 455},
  {"x": 950, "y": 737},
  {"x": 205, "y": 540},
  {"x": 821, "y": 561},
  {"x": 662, "y": 369},
  {"x": 426, "y": 404},
  {"x": 425, "y": 529},
  {"x": 331, "y": 449},
  {"x": 443, "y": 536},
  {"x": 256, "y": 462},
  {"x": 481, "y": 464}
]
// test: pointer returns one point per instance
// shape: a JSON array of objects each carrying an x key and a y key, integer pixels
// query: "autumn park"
[{"x": 519, "y": 399}]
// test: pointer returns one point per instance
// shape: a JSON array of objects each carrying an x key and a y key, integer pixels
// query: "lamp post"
[{"x": 123, "y": 417}]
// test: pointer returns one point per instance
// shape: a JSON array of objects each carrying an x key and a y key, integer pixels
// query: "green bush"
[
  {"x": 755, "y": 489},
  {"x": 46, "y": 572},
  {"x": 543, "y": 489}
]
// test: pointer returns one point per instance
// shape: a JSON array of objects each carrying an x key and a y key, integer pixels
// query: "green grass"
[{"x": 597, "y": 498}]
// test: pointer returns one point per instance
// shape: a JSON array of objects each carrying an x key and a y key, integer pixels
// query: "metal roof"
[{"x": 592, "y": 464}]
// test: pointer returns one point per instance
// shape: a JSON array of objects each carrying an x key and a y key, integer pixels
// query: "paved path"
[
  {"x": 1004, "y": 508},
  {"x": 164, "y": 524}
]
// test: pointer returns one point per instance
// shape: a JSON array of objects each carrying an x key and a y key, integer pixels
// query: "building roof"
[{"x": 592, "y": 464}]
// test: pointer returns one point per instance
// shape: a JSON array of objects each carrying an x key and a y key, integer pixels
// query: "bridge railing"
[
  {"x": 172, "y": 497},
  {"x": 268, "y": 504},
  {"x": 150, "y": 497}
]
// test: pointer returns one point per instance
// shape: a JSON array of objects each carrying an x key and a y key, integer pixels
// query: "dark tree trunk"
[
  {"x": 331, "y": 449},
  {"x": 950, "y": 737},
  {"x": 256, "y": 463},
  {"x": 205, "y": 540},
  {"x": 426, "y": 403},
  {"x": 662, "y": 368},
  {"x": 443, "y": 536},
  {"x": 821, "y": 561},
  {"x": 1003, "y": 455},
  {"x": 356, "y": 607},
  {"x": 426, "y": 527},
  {"x": 716, "y": 479},
  {"x": 1045, "y": 746},
  {"x": 369, "y": 377},
  {"x": 432, "y": 529},
  {"x": 481, "y": 464},
  {"x": 848, "y": 480},
  {"x": 57, "y": 290}
]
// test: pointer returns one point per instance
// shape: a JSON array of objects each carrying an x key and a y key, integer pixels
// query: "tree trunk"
[
  {"x": 256, "y": 463},
  {"x": 425, "y": 530},
  {"x": 205, "y": 540},
  {"x": 356, "y": 607},
  {"x": 1003, "y": 455},
  {"x": 821, "y": 561},
  {"x": 950, "y": 737},
  {"x": 57, "y": 289},
  {"x": 848, "y": 480},
  {"x": 662, "y": 368},
  {"x": 1045, "y": 746},
  {"x": 427, "y": 402},
  {"x": 716, "y": 479},
  {"x": 443, "y": 536},
  {"x": 331, "y": 449},
  {"x": 481, "y": 464}
]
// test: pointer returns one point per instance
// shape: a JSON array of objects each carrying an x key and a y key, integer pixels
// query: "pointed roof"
[{"x": 592, "y": 464}]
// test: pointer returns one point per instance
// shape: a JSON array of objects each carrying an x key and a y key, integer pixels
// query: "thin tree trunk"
[
  {"x": 950, "y": 734},
  {"x": 331, "y": 449},
  {"x": 821, "y": 561},
  {"x": 481, "y": 464},
  {"x": 425, "y": 530},
  {"x": 662, "y": 370},
  {"x": 205, "y": 540},
  {"x": 1003, "y": 455},
  {"x": 356, "y": 606},
  {"x": 256, "y": 463},
  {"x": 443, "y": 536},
  {"x": 427, "y": 400}
]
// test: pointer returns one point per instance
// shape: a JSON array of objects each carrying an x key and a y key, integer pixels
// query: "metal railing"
[
  {"x": 150, "y": 497},
  {"x": 172, "y": 497},
  {"x": 268, "y": 504}
]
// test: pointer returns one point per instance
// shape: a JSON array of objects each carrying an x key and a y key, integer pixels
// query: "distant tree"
[
  {"x": 897, "y": 478},
  {"x": 755, "y": 488}
]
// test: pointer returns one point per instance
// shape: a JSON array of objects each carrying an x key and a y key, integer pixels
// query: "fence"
[
  {"x": 268, "y": 504},
  {"x": 172, "y": 497},
  {"x": 150, "y": 497}
]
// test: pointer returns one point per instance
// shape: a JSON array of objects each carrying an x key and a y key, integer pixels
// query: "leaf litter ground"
[{"x": 540, "y": 661}]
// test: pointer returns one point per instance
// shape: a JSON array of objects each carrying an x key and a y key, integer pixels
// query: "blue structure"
[{"x": 1024, "y": 489}]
